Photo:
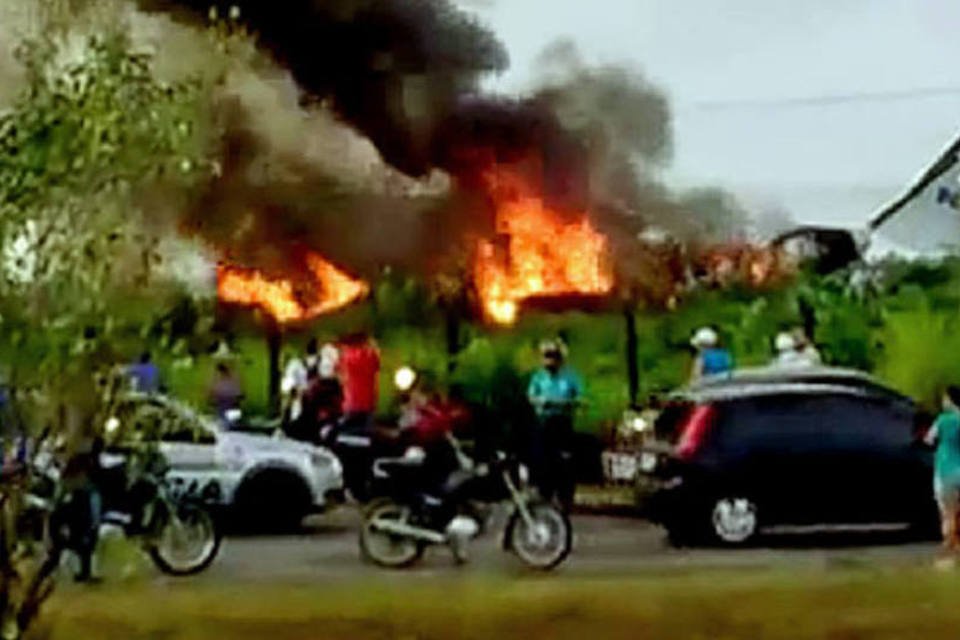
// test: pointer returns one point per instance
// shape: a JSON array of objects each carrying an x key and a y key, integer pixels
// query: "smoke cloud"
[
  {"x": 345, "y": 141},
  {"x": 624, "y": 123},
  {"x": 391, "y": 68}
]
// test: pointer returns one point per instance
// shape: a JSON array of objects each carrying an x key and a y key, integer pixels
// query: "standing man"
[
  {"x": 225, "y": 392},
  {"x": 711, "y": 358},
  {"x": 554, "y": 392},
  {"x": 321, "y": 401},
  {"x": 359, "y": 369},
  {"x": 945, "y": 435},
  {"x": 295, "y": 379},
  {"x": 144, "y": 374},
  {"x": 83, "y": 511}
]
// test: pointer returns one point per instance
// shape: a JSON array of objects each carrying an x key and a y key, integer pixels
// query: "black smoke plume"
[
  {"x": 391, "y": 68},
  {"x": 404, "y": 73}
]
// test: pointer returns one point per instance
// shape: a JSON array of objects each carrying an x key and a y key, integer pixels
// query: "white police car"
[{"x": 263, "y": 477}]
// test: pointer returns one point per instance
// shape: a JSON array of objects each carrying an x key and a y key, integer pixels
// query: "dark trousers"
[
  {"x": 83, "y": 516},
  {"x": 550, "y": 458}
]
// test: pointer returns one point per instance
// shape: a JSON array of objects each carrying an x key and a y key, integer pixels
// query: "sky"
[{"x": 825, "y": 108}]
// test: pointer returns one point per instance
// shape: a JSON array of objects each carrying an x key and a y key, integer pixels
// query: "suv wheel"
[{"x": 734, "y": 520}]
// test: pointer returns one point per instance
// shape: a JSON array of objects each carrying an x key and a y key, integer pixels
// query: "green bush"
[{"x": 921, "y": 353}]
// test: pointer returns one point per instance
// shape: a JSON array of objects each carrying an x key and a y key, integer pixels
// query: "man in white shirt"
[
  {"x": 295, "y": 379},
  {"x": 795, "y": 350}
]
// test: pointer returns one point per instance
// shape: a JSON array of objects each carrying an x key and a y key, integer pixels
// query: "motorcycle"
[
  {"x": 415, "y": 512},
  {"x": 358, "y": 449},
  {"x": 176, "y": 530}
]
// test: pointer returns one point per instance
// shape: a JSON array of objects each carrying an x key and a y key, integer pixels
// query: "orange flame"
[
  {"x": 546, "y": 255},
  {"x": 334, "y": 290}
]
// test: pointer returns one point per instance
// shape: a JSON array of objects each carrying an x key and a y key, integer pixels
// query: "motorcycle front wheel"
[
  {"x": 187, "y": 541},
  {"x": 383, "y": 548},
  {"x": 543, "y": 542}
]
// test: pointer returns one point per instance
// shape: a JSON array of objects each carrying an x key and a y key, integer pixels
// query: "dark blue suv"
[{"x": 788, "y": 451}]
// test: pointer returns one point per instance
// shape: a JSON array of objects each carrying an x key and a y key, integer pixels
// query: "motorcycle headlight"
[
  {"x": 415, "y": 454},
  {"x": 524, "y": 474},
  {"x": 111, "y": 425},
  {"x": 638, "y": 424},
  {"x": 404, "y": 378}
]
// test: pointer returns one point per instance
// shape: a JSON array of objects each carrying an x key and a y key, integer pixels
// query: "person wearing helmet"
[
  {"x": 322, "y": 398},
  {"x": 809, "y": 353},
  {"x": 554, "y": 392},
  {"x": 795, "y": 350},
  {"x": 711, "y": 358}
]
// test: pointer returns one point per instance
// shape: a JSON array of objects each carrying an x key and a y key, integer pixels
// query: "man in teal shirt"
[
  {"x": 554, "y": 393},
  {"x": 945, "y": 433}
]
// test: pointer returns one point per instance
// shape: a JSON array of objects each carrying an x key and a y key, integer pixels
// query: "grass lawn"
[{"x": 848, "y": 604}]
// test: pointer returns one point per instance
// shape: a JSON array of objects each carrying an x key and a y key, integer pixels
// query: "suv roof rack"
[
  {"x": 779, "y": 374},
  {"x": 774, "y": 380}
]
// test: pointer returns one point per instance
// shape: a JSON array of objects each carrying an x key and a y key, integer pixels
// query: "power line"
[{"x": 822, "y": 100}]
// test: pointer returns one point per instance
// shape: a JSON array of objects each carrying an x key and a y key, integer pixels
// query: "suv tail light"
[{"x": 695, "y": 430}]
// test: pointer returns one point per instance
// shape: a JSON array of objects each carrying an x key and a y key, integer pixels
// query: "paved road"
[{"x": 327, "y": 552}]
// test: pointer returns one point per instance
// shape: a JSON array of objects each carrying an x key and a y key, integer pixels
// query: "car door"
[
  {"x": 888, "y": 473},
  {"x": 769, "y": 444},
  {"x": 869, "y": 462},
  {"x": 188, "y": 444},
  {"x": 904, "y": 479}
]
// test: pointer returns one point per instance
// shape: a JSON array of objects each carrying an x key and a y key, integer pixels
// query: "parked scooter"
[
  {"x": 177, "y": 531},
  {"x": 416, "y": 512}
]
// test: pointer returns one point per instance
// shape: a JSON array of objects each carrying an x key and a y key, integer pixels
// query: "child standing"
[{"x": 945, "y": 434}]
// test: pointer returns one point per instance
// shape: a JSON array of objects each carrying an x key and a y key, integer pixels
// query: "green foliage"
[
  {"x": 91, "y": 133},
  {"x": 921, "y": 353},
  {"x": 90, "y": 136},
  {"x": 94, "y": 127}
]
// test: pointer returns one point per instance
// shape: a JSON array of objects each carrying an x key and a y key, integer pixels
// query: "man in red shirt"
[{"x": 359, "y": 369}]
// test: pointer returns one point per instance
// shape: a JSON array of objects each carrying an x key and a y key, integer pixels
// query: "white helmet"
[
  {"x": 704, "y": 338},
  {"x": 785, "y": 342}
]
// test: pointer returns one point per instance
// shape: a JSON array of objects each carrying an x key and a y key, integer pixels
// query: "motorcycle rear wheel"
[
  {"x": 545, "y": 542},
  {"x": 187, "y": 542},
  {"x": 384, "y": 549}
]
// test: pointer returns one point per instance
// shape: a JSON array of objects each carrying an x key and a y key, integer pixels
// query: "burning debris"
[
  {"x": 743, "y": 264},
  {"x": 541, "y": 253},
  {"x": 291, "y": 299}
]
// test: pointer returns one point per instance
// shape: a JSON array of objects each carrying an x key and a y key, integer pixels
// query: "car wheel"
[
  {"x": 734, "y": 520},
  {"x": 272, "y": 501}
]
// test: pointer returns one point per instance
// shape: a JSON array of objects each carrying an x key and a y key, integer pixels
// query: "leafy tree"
[{"x": 91, "y": 138}]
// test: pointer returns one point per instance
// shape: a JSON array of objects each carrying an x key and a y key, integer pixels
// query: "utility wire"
[{"x": 823, "y": 100}]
